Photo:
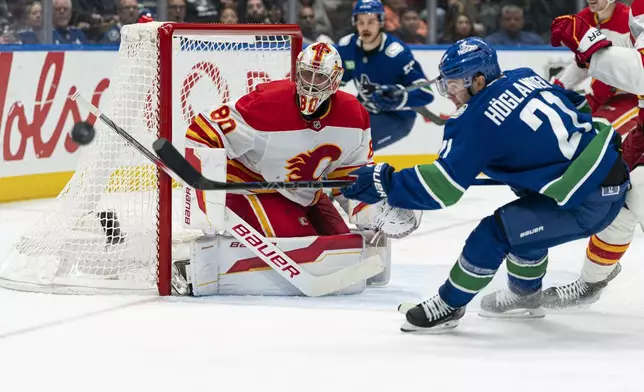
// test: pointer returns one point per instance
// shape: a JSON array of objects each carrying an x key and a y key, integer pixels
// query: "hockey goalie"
[{"x": 285, "y": 131}]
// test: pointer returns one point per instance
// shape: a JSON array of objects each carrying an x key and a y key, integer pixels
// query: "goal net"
[{"x": 116, "y": 226}]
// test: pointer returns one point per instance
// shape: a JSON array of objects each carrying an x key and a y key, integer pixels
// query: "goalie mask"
[{"x": 318, "y": 75}]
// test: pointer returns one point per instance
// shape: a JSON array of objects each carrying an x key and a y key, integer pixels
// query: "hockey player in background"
[
  {"x": 606, "y": 248},
  {"x": 302, "y": 131},
  {"x": 381, "y": 66},
  {"x": 521, "y": 130}
]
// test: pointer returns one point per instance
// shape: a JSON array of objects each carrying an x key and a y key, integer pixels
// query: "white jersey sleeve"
[
  {"x": 361, "y": 156},
  {"x": 623, "y": 67},
  {"x": 222, "y": 127},
  {"x": 619, "y": 67},
  {"x": 572, "y": 76}
]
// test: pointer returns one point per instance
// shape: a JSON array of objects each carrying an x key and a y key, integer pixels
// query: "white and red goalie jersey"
[{"x": 266, "y": 138}]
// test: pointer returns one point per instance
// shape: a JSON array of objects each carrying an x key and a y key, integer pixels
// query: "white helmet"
[{"x": 318, "y": 75}]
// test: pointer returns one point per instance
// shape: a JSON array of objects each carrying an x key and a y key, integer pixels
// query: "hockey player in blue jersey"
[
  {"x": 521, "y": 130},
  {"x": 381, "y": 66}
]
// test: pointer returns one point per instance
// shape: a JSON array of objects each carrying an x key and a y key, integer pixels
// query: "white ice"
[{"x": 353, "y": 343}]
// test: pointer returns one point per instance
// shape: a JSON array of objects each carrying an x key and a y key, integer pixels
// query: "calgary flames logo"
[
  {"x": 311, "y": 165},
  {"x": 320, "y": 50}
]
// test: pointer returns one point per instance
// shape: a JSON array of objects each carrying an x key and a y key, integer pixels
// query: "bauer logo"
[
  {"x": 531, "y": 232},
  {"x": 264, "y": 248},
  {"x": 188, "y": 201}
]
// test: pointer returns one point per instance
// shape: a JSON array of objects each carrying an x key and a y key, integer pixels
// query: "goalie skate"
[
  {"x": 432, "y": 316},
  {"x": 506, "y": 304},
  {"x": 577, "y": 293}
]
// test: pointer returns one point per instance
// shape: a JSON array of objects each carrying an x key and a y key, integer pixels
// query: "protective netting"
[{"x": 102, "y": 232}]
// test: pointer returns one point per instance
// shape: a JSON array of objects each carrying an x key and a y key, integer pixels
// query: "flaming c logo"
[
  {"x": 320, "y": 50},
  {"x": 310, "y": 165}
]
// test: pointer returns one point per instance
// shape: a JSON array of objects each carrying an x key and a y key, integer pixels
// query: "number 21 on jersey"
[{"x": 553, "y": 108}]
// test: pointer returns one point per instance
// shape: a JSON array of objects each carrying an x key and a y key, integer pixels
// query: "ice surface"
[{"x": 353, "y": 343}]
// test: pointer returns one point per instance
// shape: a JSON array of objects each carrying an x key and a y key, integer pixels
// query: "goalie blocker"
[{"x": 236, "y": 259}]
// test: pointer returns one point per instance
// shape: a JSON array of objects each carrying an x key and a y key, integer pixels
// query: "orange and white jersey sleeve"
[
  {"x": 361, "y": 156},
  {"x": 222, "y": 127},
  {"x": 623, "y": 67}
]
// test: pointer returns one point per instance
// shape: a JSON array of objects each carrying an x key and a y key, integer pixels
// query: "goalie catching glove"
[{"x": 371, "y": 187}]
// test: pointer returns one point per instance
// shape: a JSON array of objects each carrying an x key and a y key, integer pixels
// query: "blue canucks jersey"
[
  {"x": 522, "y": 131},
  {"x": 391, "y": 63}
]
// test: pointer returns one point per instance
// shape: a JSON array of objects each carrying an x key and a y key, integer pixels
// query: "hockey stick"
[
  {"x": 309, "y": 285},
  {"x": 370, "y": 88},
  {"x": 172, "y": 162},
  {"x": 175, "y": 161}
]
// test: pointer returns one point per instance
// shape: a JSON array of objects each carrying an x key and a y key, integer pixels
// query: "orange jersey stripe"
[
  {"x": 195, "y": 134},
  {"x": 207, "y": 129},
  {"x": 342, "y": 172}
]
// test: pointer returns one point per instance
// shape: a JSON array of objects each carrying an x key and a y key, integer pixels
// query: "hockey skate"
[
  {"x": 506, "y": 304},
  {"x": 577, "y": 293},
  {"x": 431, "y": 316}
]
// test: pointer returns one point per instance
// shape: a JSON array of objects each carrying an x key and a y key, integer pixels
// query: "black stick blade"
[{"x": 173, "y": 159}]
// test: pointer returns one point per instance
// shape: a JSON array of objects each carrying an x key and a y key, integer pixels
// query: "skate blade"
[
  {"x": 515, "y": 314},
  {"x": 575, "y": 306},
  {"x": 437, "y": 329},
  {"x": 404, "y": 307}
]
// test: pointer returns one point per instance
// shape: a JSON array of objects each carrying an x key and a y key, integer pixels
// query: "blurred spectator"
[
  {"x": 201, "y": 11},
  {"x": 33, "y": 21},
  {"x": 256, "y": 12},
  {"x": 177, "y": 11},
  {"x": 409, "y": 25},
  {"x": 63, "y": 33},
  {"x": 10, "y": 22},
  {"x": 392, "y": 18},
  {"x": 89, "y": 11},
  {"x": 93, "y": 17},
  {"x": 275, "y": 13},
  {"x": 339, "y": 14},
  {"x": 322, "y": 21},
  {"x": 229, "y": 14},
  {"x": 309, "y": 28},
  {"x": 458, "y": 28},
  {"x": 128, "y": 13},
  {"x": 538, "y": 14},
  {"x": 511, "y": 32}
]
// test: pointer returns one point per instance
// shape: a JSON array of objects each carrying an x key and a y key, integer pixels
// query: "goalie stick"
[
  {"x": 308, "y": 284},
  {"x": 172, "y": 162}
]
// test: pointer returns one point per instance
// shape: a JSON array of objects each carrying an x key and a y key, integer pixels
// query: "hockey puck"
[{"x": 83, "y": 133}]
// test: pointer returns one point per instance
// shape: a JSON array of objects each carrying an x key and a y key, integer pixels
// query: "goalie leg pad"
[
  {"x": 380, "y": 245},
  {"x": 222, "y": 265}
]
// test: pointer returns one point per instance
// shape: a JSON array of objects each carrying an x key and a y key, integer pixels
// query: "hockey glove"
[
  {"x": 580, "y": 37},
  {"x": 372, "y": 183},
  {"x": 389, "y": 97}
]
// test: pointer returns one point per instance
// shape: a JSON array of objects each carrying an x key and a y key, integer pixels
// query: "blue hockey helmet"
[
  {"x": 368, "y": 7},
  {"x": 465, "y": 59}
]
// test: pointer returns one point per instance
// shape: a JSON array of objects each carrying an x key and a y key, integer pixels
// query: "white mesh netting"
[{"x": 101, "y": 234}]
